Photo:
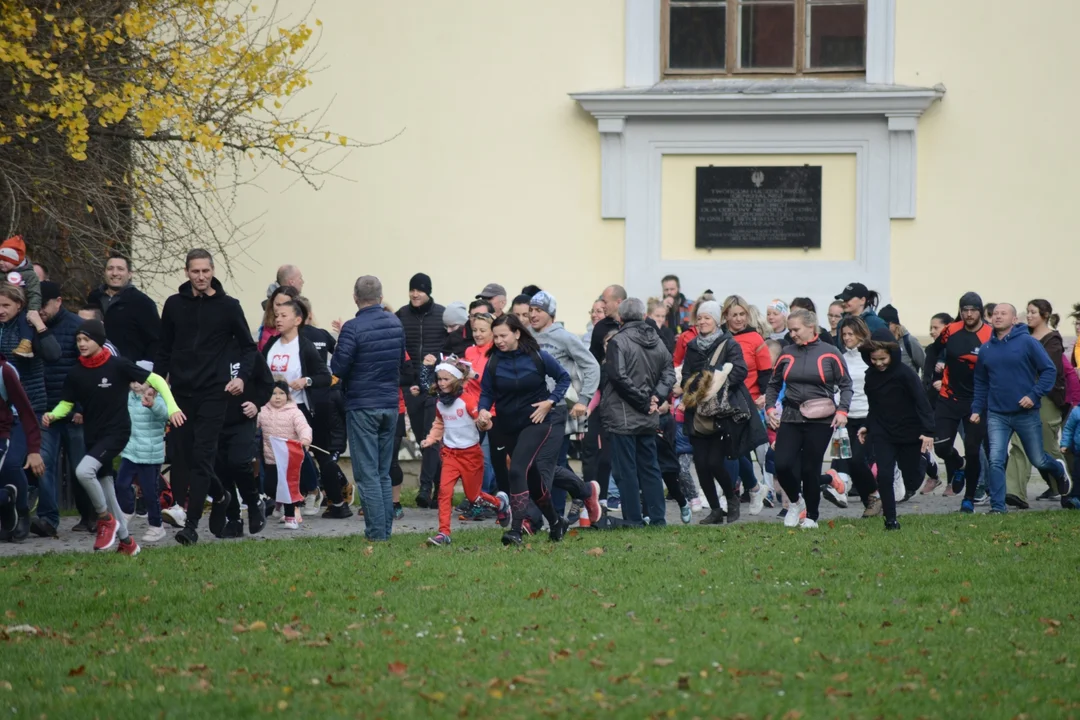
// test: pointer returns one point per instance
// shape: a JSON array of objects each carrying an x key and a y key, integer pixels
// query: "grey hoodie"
[{"x": 574, "y": 355}]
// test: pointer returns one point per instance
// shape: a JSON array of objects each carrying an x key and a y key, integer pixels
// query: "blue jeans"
[
  {"x": 742, "y": 469},
  {"x": 52, "y": 440},
  {"x": 147, "y": 477},
  {"x": 1028, "y": 428},
  {"x": 371, "y": 442},
  {"x": 491, "y": 486},
  {"x": 16, "y": 458},
  {"x": 637, "y": 472}
]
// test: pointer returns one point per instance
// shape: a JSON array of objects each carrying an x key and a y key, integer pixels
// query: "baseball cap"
[
  {"x": 491, "y": 290},
  {"x": 853, "y": 290}
]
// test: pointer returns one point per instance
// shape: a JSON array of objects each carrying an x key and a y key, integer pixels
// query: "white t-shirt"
[{"x": 284, "y": 362}]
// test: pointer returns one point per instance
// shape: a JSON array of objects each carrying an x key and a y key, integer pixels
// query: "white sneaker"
[
  {"x": 795, "y": 513},
  {"x": 836, "y": 490},
  {"x": 808, "y": 524},
  {"x": 175, "y": 516},
  {"x": 128, "y": 517},
  {"x": 291, "y": 524},
  {"x": 695, "y": 504},
  {"x": 757, "y": 498},
  {"x": 153, "y": 534}
]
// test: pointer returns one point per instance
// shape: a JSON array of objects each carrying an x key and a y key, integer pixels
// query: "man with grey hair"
[
  {"x": 639, "y": 377},
  {"x": 368, "y": 359}
]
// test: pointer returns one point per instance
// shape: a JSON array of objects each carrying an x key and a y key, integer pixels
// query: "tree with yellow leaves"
[{"x": 130, "y": 124}]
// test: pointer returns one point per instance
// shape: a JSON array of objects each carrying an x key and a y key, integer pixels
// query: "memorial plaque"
[{"x": 759, "y": 207}]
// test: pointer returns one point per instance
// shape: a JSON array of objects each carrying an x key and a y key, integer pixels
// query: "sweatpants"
[
  {"x": 147, "y": 477},
  {"x": 950, "y": 416},
  {"x": 236, "y": 449},
  {"x": 596, "y": 457},
  {"x": 97, "y": 480},
  {"x": 709, "y": 461},
  {"x": 800, "y": 449},
  {"x": 890, "y": 455},
  {"x": 195, "y": 450},
  {"x": 468, "y": 465},
  {"x": 532, "y": 452}
]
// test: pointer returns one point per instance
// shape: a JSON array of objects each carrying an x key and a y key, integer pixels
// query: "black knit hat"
[
  {"x": 889, "y": 314},
  {"x": 93, "y": 329},
  {"x": 420, "y": 282}
]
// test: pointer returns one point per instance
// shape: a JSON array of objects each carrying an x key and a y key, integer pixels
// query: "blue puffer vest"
[
  {"x": 31, "y": 371},
  {"x": 146, "y": 446},
  {"x": 63, "y": 326}
]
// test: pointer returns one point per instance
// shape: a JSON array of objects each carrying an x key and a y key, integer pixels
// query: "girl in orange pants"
[{"x": 462, "y": 457}]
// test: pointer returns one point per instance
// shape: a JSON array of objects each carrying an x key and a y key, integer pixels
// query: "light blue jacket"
[{"x": 146, "y": 446}]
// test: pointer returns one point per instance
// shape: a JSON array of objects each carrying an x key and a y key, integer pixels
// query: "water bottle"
[
  {"x": 845, "y": 444},
  {"x": 835, "y": 452}
]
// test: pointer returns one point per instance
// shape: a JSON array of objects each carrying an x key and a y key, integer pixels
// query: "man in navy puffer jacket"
[
  {"x": 368, "y": 359},
  {"x": 68, "y": 433}
]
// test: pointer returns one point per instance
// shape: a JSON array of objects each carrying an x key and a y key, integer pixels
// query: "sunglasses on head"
[{"x": 482, "y": 316}]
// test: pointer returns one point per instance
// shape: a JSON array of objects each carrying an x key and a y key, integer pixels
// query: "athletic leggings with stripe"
[{"x": 533, "y": 453}]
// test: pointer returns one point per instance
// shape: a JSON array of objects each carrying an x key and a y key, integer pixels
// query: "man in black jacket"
[
  {"x": 638, "y": 380},
  {"x": 198, "y": 326},
  {"x": 424, "y": 335},
  {"x": 131, "y": 317}
]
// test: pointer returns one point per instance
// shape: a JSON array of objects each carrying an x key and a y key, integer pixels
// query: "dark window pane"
[
  {"x": 767, "y": 36},
  {"x": 837, "y": 36},
  {"x": 696, "y": 40}
]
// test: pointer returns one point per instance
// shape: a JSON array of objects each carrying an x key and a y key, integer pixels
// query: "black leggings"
[
  {"x": 858, "y": 465},
  {"x": 534, "y": 454},
  {"x": 709, "y": 462},
  {"x": 949, "y": 417},
  {"x": 596, "y": 457},
  {"x": 800, "y": 449},
  {"x": 888, "y": 455},
  {"x": 674, "y": 489}
]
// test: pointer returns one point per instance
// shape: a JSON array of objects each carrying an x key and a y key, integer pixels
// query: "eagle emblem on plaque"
[{"x": 757, "y": 177}]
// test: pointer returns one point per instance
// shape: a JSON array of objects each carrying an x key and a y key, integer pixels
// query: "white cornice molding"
[{"x": 671, "y": 101}]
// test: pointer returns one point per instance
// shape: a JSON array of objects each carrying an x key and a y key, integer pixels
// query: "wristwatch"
[{"x": 307, "y": 382}]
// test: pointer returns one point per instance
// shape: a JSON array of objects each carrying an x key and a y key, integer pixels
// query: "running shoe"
[
  {"x": 558, "y": 529},
  {"x": 873, "y": 507},
  {"x": 592, "y": 503},
  {"x": 1049, "y": 494},
  {"x": 769, "y": 500},
  {"x": 439, "y": 540},
  {"x": 981, "y": 496},
  {"x": 967, "y": 506},
  {"x": 929, "y": 485},
  {"x": 808, "y": 524},
  {"x": 154, "y": 534},
  {"x": 291, "y": 524},
  {"x": 106, "y": 533},
  {"x": 613, "y": 504},
  {"x": 575, "y": 511},
  {"x": 399, "y": 512},
  {"x": 1016, "y": 502},
  {"x": 686, "y": 514},
  {"x": 958, "y": 481},
  {"x": 504, "y": 515},
  {"x": 795, "y": 513},
  {"x": 527, "y": 527},
  {"x": 695, "y": 504},
  {"x": 129, "y": 548},
  {"x": 337, "y": 512},
  {"x": 511, "y": 537},
  {"x": 835, "y": 491},
  {"x": 175, "y": 516},
  {"x": 892, "y": 525},
  {"x": 757, "y": 498}
]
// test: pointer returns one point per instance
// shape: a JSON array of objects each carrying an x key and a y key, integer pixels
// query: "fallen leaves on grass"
[
  {"x": 884, "y": 643},
  {"x": 256, "y": 626},
  {"x": 397, "y": 668},
  {"x": 833, "y": 692},
  {"x": 608, "y": 606},
  {"x": 435, "y": 697},
  {"x": 598, "y": 664},
  {"x": 536, "y": 595},
  {"x": 662, "y": 662},
  {"x": 291, "y": 633},
  {"x": 595, "y": 552},
  {"x": 75, "y": 672},
  {"x": 814, "y": 592}
]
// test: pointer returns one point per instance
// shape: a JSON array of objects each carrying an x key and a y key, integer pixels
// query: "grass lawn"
[{"x": 955, "y": 616}]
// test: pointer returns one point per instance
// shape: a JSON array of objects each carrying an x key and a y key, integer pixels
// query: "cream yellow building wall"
[
  {"x": 495, "y": 176},
  {"x": 997, "y": 157},
  {"x": 679, "y": 209}
]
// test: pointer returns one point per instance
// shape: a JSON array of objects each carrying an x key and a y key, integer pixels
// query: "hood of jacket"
[
  {"x": 186, "y": 291},
  {"x": 1015, "y": 332},
  {"x": 641, "y": 333}
]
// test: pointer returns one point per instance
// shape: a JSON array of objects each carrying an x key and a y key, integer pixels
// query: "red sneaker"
[
  {"x": 106, "y": 533},
  {"x": 592, "y": 503},
  {"x": 129, "y": 548}
]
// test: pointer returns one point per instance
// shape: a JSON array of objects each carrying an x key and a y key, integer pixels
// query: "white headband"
[{"x": 452, "y": 369}]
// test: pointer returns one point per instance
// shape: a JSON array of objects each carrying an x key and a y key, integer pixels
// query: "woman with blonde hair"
[{"x": 688, "y": 336}]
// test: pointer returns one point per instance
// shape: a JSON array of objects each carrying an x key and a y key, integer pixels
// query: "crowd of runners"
[{"x": 709, "y": 403}]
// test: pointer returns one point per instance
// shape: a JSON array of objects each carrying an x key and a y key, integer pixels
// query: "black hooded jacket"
[
  {"x": 131, "y": 321},
  {"x": 196, "y": 334},
  {"x": 257, "y": 390},
  {"x": 899, "y": 410},
  {"x": 424, "y": 332}
]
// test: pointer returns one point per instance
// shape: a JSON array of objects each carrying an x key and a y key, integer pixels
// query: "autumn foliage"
[{"x": 131, "y": 124}]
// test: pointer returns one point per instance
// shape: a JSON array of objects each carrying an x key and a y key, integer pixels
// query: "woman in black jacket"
[
  {"x": 294, "y": 359},
  {"x": 900, "y": 426},
  {"x": 712, "y": 350},
  {"x": 810, "y": 372}
]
